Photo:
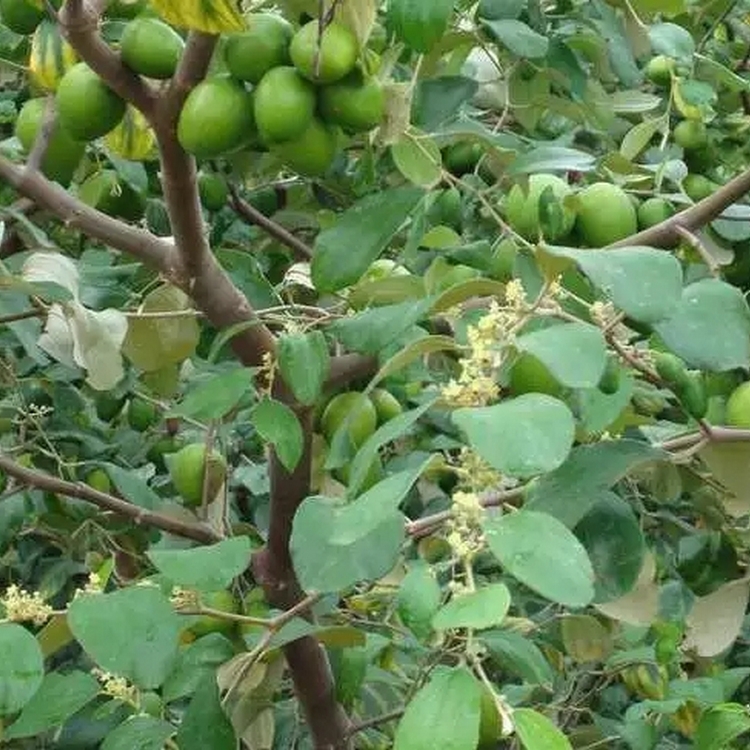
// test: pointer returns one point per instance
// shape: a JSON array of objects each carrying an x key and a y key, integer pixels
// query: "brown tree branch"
[
  {"x": 269, "y": 226},
  {"x": 41, "y": 143},
  {"x": 190, "y": 71},
  {"x": 140, "y": 516},
  {"x": 667, "y": 234},
  {"x": 146, "y": 247},
  {"x": 348, "y": 367},
  {"x": 79, "y": 21}
]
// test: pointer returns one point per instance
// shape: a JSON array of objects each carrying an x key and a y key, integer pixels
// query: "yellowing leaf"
[
  {"x": 132, "y": 138},
  {"x": 209, "y": 16}
]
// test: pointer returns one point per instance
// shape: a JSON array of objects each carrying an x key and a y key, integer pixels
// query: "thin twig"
[
  {"x": 269, "y": 226},
  {"x": 25, "y": 315},
  {"x": 375, "y": 721},
  {"x": 41, "y": 142},
  {"x": 140, "y": 516}
]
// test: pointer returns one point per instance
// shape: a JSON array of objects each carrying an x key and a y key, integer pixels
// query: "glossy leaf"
[
  {"x": 277, "y": 424},
  {"x": 484, "y": 608},
  {"x": 519, "y": 655},
  {"x": 145, "y": 651},
  {"x": 518, "y": 37},
  {"x": 521, "y": 437},
  {"x": 537, "y": 732},
  {"x": 141, "y": 731},
  {"x": 216, "y": 397},
  {"x": 418, "y": 599},
  {"x": 418, "y": 159},
  {"x": 207, "y": 568},
  {"x": 543, "y": 554},
  {"x": 304, "y": 363},
  {"x": 205, "y": 724},
  {"x": 574, "y": 353},
  {"x": 344, "y": 251},
  {"x": 449, "y": 704},
  {"x": 21, "y": 667}
]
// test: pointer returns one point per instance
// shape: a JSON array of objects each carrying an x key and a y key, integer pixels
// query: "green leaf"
[
  {"x": 144, "y": 651},
  {"x": 707, "y": 307},
  {"x": 304, "y": 363},
  {"x": 569, "y": 492},
  {"x": 418, "y": 159},
  {"x": 638, "y": 137},
  {"x": 205, "y": 724},
  {"x": 277, "y": 424},
  {"x": 613, "y": 539},
  {"x": 216, "y": 397},
  {"x": 518, "y": 37},
  {"x": 370, "y": 331},
  {"x": 213, "y": 17},
  {"x": 643, "y": 282},
  {"x": 419, "y": 23},
  {"x": 537, "y": 732},
  {"x": 333, "y": 545},
  {"x": 518, "y": 655},
  {"x": 551, "y": 159},
  {"x": 437, "y": 100},
  {"x": 574, "y": 353},
  {"x": 720, "y": 725},
  {"x": 484, "y": 608},
  {"x": 418, "y": 599},
  {"x": 154, "y": 342},
  {"x": 521, "y": 437},
  {"x": 21, "y": 667},
  {"x": 464, "y": 290},
  {"x": 344, "y": 251},
  {"x": 672, "y": 40},
  {"x": 132, "y": 487},
  {"x": 141, "y": 731},
  {"x": 207, "y": 568},
  {"x": 449, "y": 705},
  {"x": 543, "y": 554},
  {"x": 391, "y": 430},
  {"x": 412, "y": 352},
  {"x": 58, "y": 698},
  {"x": 200, "y": 659}
]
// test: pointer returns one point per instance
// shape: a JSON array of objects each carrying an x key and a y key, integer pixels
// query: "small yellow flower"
[
  {"x": 23, "y": 606},
  {"x": 116, "y": 687}
]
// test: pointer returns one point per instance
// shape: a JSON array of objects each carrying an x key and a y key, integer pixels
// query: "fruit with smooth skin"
[
  {"x": 462, "y": 157},
  {"x": 326, "y": 57},
  {"x": 284, "y": 104},
  {"x": 690, "y": 135},
  {"x": 382, "y": 268},
  {"x": 692, "y": 395},
  {"x": 221, "y": 600},
  {"x": 98, "y": 479},
  {"x": 653, "y": 211},
  {"x": 445, "y": 208},
  {"x": 670, "y": 368},
  {"x": 142, "y": 414},
  {"x": 605, "y": 214},
  {"x": 356, "y": 104},
  {"x": 737, "y": 412},
  {"x": 151, "y": 47},
  {"x": 387, "y": 406},
  {"x": 375, "y": 473},
  {"x": 524, "y": 211},
  {"x": 264, "y": 44},
  {"x": 697, "y": 186},
  {"x": 358, "y": 412},
  {"x": 312, "y": 152},
  {"x": 217, "y": 118},
  {"x": 659, "y": 70},
  {"x": 21, "y": 16},
  {"x": 187, "y": 468},
  {"x": 63, "y": 154},
  {"x": 213, "y": 191},
  {"x": 86, "y": 107}
]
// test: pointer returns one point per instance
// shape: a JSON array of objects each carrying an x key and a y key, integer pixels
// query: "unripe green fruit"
[
  {"x": 223, "y": 601},
  {"x": 522, "y": 208},
  {"x": 142, "y": 414},
  {"x": 386, "y": 404},
  {"x": 690, "y": 135},
  {"x": 187, "y": 468},
  {"x": 692, "y": 395},
  {"x": 697, "y": 187},
  {"x": 151, "y": 47},
  {"x": 98, "y": 479},
  {"x": 659, "y": 70},
  {"x": 738, "y": 407},
  {"x": 326, "y": 57},
  {"x": 653, "y": 211},
  {"x": 213, "y": 191},
  {"x": 605, "y": 214},
  {"x": 359, "y": 413},
  {"x": 670, "y": 368}
]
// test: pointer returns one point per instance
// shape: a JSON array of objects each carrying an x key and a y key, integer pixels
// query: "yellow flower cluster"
[
  {"x": 116, "y": 687},
  {"x": 475, "y": 473},
  {"x": 184, "y": 599},
  {"x": 476, "y": 384},
  {"x": 464, "y": 529},
  {"x": 22, "y": 606}
]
